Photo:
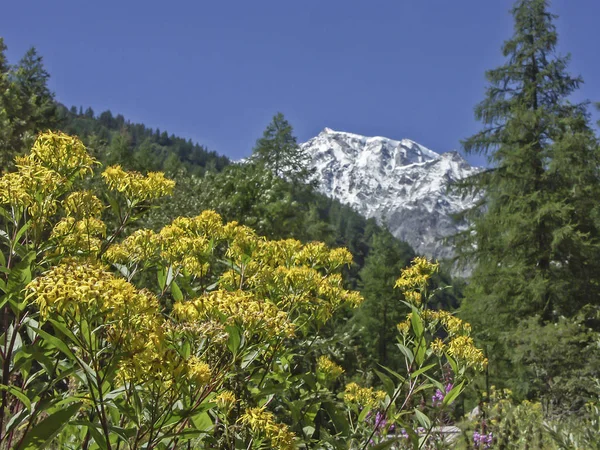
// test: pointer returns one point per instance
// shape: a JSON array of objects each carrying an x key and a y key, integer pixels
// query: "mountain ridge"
[{"x": 401, "y": 183}]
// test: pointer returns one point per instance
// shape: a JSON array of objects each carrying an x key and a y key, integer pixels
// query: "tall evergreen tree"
[
  {"x": 10, "y": 122},
  {"x": 279, "y": 151},
  {"x": 383, "y": 309},
  {"x": 31, "y": 79},
  {"x": 535, "y": 242}
]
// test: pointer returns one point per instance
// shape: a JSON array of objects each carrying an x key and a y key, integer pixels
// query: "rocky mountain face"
[{"x": 402, "y": 184}]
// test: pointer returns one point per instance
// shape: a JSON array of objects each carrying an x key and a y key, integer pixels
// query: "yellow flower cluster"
[
  {"x": 236, "y": 307},
  {"x": 225, "y": 400},
  {"x": 366, "y": 397},
  {"x": 460, "y": 346},
  {"x": 438, "y": 346},
  {"x": 136, "y": 187},
  {"x": 128, "y": 318},
  {"x": 141, "y": 245},
  {"x": 330, "y": 369},
  {"x": 30, "y": 184},
  {"x": 463, "y": 349},
  {"x": 404, "y": 327},
  {"x": 71, "y": 287},
  {"x": 79, "y": 236},
  {"x": 289, "y": 276},
  {"x": 413, "y": 281},
  {"x": 81, "y": 231},
  {"x": 62, "y": 153},
  {"x": 83, "y": 204},
  {"x": 261, "y": 421},
  {"x": 44, "y": 175},
  {"x": 197, "y": 370},
  {"x": 298, "y": 278},
  {"x": 452, "y": 324}
]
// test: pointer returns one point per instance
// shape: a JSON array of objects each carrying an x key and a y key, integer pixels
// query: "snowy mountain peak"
[{"x": 402, "y": 184}]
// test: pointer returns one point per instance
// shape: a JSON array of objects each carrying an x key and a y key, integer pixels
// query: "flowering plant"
[{"x": 202, "y": 333}]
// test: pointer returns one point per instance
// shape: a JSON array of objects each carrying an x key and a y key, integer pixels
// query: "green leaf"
[
  {"x": 422, "y": 419},
  {"x": 22, "y": 231},
  {"x": 235, "y": 338},
  {"x": 202, "y": 421},
  {"x": 408, "y": 354},
  {"x": 123, "y": 269},
  {"x": 57, "y": 343},
  {"x": 59, "y": 326},
  {"x": 388, "y": 384},
  {"x": 417, "y": 323},
  {"x": 161, "y": 274},
  {"x": 20, "y": 274},
  {"x": 420, "y": 349},
  {"x": 96, "y": 434},
  {"x": 422, "y": 370},
  {"x": 399, "y": 377},
  {"x": 339, "y": 419},
  {"x": 15, "y": 391},
  {"x": 454, "y": 392},
  {"x": 452, "y": 363},
  {"x": 363, "y": 413},
  {"x": 114, "y": 204},
  {"x": 42, "y": 433},
  {"x": 176, "y": 292}
]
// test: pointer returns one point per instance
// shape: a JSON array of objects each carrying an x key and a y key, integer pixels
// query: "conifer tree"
[
  {"x": 383, "y": 309},
  {"x": 279, "y": 151},
  {"x": 31, "y": 79},
  {"x": 534, "y": 244},
  {"x": 9, "y": 108}
]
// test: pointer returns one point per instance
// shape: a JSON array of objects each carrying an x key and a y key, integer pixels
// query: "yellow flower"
[
  {"x": 140, "y": 246},
  {"x": 79, "y": 236},
  {"x": 463, "y": 348},
  {"x": 135, "y": 187},
  {"x": 438, "y": 346},
  {"x": 261, "y": 421},
  {"x": 404, "y": 327},
  {"x": 330, "y": 369},
  {"x": 198, "y": 371},
  {"x": 415, "y": 278},
  {"x": 83, "y": 204},
  {"x": 225, "y": 400},
  {"x": 62, "y": 153},
  {"x": 363, "y": 396}
]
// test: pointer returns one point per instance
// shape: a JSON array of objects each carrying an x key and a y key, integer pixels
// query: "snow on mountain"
[{"x": 402, "y": 184}]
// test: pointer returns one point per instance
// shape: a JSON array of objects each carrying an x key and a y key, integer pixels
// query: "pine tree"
[
  {"x": 279, "y": 151},
  {"x": 383, "y": 309},
  {"x": 6, "y": 106},
  {"x": 535, "y": 242},
  {"x": 38, "y": 108}
]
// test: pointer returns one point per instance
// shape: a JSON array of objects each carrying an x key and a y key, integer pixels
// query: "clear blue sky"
[{"x": 217, "y": 71}]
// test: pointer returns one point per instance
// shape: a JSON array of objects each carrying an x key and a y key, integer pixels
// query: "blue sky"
[{"x": 217, "y": 71}]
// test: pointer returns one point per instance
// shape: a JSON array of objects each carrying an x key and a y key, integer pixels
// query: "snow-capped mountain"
[{"x": 402, "y": 184}]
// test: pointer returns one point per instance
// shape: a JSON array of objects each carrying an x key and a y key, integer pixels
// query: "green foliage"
[
  {"x": 579, "y": 432},
  {"x": 383, "y": 308},
  {"x": 255, "y": 196},
  {"x": 500, "y": 422},
  {"x": 26, "y": 104},
  {"x": 278, "y": 151},
  {"x": 556, "y": 357},
  {"x": 534, "y": 242}
]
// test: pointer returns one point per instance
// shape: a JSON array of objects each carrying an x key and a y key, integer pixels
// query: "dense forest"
[{"x": 155, "y": 294}]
